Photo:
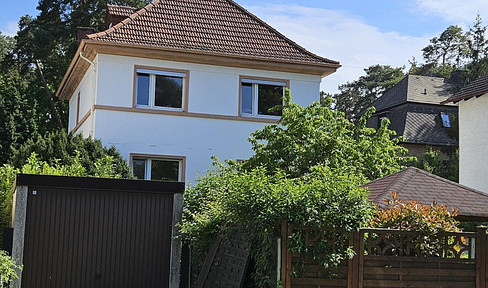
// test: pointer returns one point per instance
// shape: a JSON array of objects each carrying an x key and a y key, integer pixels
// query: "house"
[
  {"x": 179, "y": 81},
  {"x": 414, "y": 110},
  {"x": 473, "y": 133}
]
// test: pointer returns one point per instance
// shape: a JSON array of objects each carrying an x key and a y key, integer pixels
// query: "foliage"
[
  {"x": 306, "y": 170},
  {"x": 8, "y": 269},
  {"x": 440, "y": 164},
  {"x": 103, "y": 167},
  {"x": 424, "y": 222},
  {"x": 256, "y": 202},
  {"x": 356, "y": 95},
  {"x": 60, "y": 148},
  {"x": 316, "y": 135},
  {"x": 449, "y": 47},
  {"x": 411, "y": 215}
]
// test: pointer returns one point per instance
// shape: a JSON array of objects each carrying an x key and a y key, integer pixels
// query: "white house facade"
[
  {"x": 168, "y": 108},
  {"x": 473, "y": 134}
]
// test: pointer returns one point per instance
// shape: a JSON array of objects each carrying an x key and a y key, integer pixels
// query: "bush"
[{"x": 8, "y": 269}]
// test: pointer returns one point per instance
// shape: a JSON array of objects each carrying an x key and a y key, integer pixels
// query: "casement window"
[
  {"x": 160, "y": 89},
  {"x": 153, "y": 168},
  {"x": 259, "y": 96}
]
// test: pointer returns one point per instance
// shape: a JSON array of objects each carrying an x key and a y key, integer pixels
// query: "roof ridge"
[
  {"x": 390, "y": 184},
  {"x": 398, "y": 183},
  {"x": 133, "y": 16},
  {"x": 450, "y": 181},
  {"x": 279, "y": 33}
]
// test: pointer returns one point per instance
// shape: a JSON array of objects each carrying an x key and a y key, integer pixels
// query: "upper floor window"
[
  {"x": 259, "y": 96},
  {"x": 160, "y": 89}
]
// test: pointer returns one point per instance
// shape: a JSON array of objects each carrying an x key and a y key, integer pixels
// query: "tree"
[
  {"x": 449, "y": 48},
  {"x": 102, "y": 167},
  {"x": 60, "y": 148},
  {"x": 476, "y": 40},
  {"x": 357, "y": 95},
  {"x": 316, "y": 135},
  {"x": 306, "y": 170}
]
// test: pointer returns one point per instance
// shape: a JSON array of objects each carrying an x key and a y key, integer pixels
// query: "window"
[
  {"x": 160, "y": 89},
  {"x": 446, "y": 122},
  {"x": 259, "y": 96},
  {"x": 162, "y": 169}
]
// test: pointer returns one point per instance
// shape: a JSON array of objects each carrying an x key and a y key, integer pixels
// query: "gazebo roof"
[{"x": 426, "y": 188}]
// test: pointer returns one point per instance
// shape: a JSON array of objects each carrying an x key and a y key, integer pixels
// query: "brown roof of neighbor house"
[
  {"x": 220, "y": 26},
  {"x": 426, "y": 188},
  {"x": 474, "y": 89}
]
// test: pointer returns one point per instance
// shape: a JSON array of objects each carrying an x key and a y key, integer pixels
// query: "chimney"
[{"x": 81, "y": 33}]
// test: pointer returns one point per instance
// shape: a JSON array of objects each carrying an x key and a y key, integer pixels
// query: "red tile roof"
[
  {"x": 215, "y": 26},
  {"x": 474, "y": 89},
  {"x": 426, "y": 188},
  {"x": 116, "y": 10}
]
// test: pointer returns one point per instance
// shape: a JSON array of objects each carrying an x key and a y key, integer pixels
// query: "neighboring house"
[
  {"x": 414, "y": 110},
  {"x": 473, "y": 133},
  {"x": 177, "y": 82}
]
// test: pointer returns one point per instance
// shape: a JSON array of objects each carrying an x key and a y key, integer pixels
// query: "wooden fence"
[{"x": 391, "y": 258}]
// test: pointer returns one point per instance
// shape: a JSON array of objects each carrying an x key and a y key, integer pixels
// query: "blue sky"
[{"x": 357, "y": 33}]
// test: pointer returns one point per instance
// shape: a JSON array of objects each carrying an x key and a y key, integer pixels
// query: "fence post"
[
  {"x": 481, "y": 256},
  {"x": 353, "y": 264},
  {"x": 285, "y": 256}
]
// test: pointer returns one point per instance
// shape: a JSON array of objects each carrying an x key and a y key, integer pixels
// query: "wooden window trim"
[
  {"x": 264, "y": 117},
  {"x": 186, "y": 86}
]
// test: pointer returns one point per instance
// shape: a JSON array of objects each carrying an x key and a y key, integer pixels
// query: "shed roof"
[
  {"x": 426, "y": 188},
  {"x": 220, "y": 26},
  {"x": 474, "y": 89}
]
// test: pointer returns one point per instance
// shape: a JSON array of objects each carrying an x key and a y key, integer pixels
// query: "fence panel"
[{"x": 392, "y": 258}]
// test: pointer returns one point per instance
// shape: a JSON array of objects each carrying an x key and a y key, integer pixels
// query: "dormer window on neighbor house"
[
  {"x": 160, "y": 89},
  {"x": 259, "y": 96}
]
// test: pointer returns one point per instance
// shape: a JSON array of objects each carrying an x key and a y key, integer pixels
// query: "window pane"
[
  {"x": 268, "y": 97},
  {"x": 139, "y": 168},
  {"x": 164, "y": 170},
  {"x": 169, "y": 91},
  {"x": 142, "y": 89},
  {"x": 246, "y": 98}
]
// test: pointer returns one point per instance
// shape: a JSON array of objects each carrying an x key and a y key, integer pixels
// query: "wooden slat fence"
[{"x": 391, "y": 258}]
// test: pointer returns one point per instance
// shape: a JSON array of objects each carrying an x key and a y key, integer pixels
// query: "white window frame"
[
  {"x": 255, "y": 95},
  {"x": 148, "y": 160},
  {"x": 152, "y": 88}
]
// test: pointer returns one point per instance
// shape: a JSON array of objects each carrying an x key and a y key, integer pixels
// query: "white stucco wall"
[
  {"x": 473, "y": 143},
  {"x": 213, "y": 91}
]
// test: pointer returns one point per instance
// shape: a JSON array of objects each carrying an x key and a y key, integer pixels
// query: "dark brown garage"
[{"x": 93, "y": 232}]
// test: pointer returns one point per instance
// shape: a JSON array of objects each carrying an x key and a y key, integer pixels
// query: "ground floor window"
[{"x": 158, "y": 168}]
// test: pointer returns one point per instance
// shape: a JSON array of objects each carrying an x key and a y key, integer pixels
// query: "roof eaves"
[{"x": 456, "y": 99}]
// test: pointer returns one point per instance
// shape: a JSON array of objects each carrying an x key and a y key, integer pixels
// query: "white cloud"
[
  {"x": 11, "y": 29},
  {"x": 338, "y": 36},
  {"x": 453, "y": 10}
]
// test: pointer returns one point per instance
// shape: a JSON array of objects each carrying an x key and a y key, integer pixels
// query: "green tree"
[
  {"x": 60, "y": 148},
  {"x": 306, "y": 170},
  {"x": 449, "y": 48},
  {"x": 476, "y": 40},
  {"x": 316, "y": 135},
  {"x": 102, "y": 167},
  {"x": 356, "y": 95}
]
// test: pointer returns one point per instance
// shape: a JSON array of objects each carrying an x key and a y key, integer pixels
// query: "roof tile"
[
  {"x": 426, "y": 188},
  {"x": 220, "y": 26}
]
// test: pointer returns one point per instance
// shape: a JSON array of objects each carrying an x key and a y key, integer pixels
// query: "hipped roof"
[
  {"x": 218, "y": 32},
  {"x": 426, "y": 188}
]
